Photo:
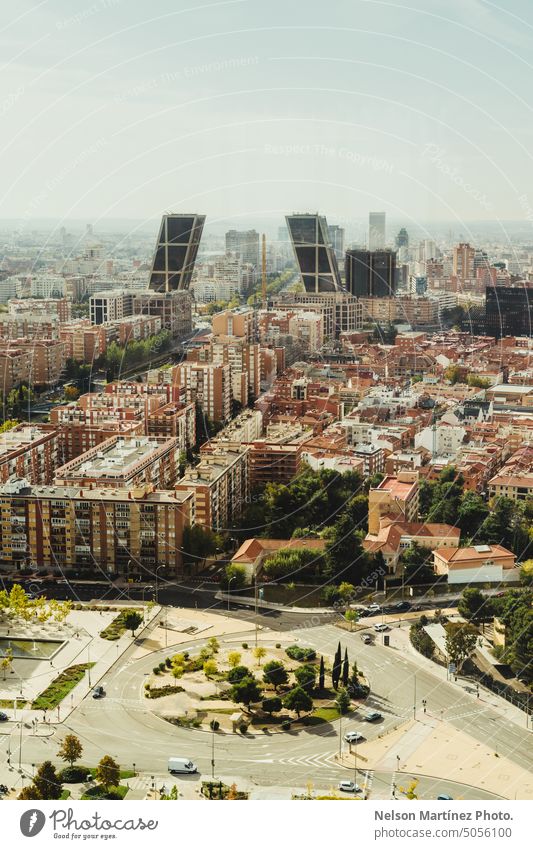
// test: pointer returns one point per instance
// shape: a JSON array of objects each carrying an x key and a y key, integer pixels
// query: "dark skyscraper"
[
  {"x": 314, "y": 253},
  {"x": 402, "y": 239},
  {"x": 176, "y": 251},
  {"x": 508, "y": 311},
  {"x": 370, "y": 274}
]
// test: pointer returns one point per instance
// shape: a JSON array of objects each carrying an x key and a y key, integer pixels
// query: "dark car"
[
  {"x": 373, "y": 717},
  {"x": 98, "y": 692},
  {"x": 3, "y": 716},
  {"x": 402, "y": 605}
]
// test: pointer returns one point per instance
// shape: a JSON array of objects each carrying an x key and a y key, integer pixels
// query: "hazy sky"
[{"x": 125, "y": 108}]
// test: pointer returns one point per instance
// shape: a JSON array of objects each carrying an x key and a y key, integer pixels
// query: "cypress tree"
[
  {"x": 345, "y": 669},
  {"x": 337, "y": 664},
  {"x": 321, "y": 673}
]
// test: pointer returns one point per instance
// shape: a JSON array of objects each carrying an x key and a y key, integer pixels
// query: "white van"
[{"x": 181, "y": 765}]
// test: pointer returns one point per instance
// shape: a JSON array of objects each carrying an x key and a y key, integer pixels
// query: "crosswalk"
[{"x": 324, "y": 761}]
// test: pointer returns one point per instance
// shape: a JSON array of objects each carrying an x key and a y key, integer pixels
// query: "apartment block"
[
  {"x": 395, "y": 496},
  {"x": 58, "y": 308},
  {"x": 234, "y": 323},
  {"x": 118, "y": 532},
  {"x": 221, "y": 486},
  {"x": 174, "y": 308},
  {"x": 207, "y": 384},
  {"x": 174, "y": 420},
  {"x": 29, "y": 452},
  {"x": 35, "y": 362},
  {"x": 124, "y": 463}
]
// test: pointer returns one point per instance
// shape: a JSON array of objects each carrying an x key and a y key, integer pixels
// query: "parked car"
[
  {"x": 402, "y": 606},
  {"x": 3, "y": 716},
  {"x": 98, "y": 692},
  {"x": 445, "y": 797},
  {"x": 374, "y": 716},
  {"x": 349, "y": 787},
  {"x": 374, "y": 607},
  {"x": 381, "y": 626},
  {"x": 353, "y": 737},
  {"x": 367, "y": 639}
]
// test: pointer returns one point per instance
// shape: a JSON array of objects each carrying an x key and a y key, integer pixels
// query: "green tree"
[
  {"x": 321, "y": 674},
  {"x": 6, "y": 662},
  {"x": 108, "y": 773},
  {"x": 275, "y": 673},
  {"x": 271, "y": 705},
  {"x": 461, "y": 641},
  {"x": 342, "y": 702},
  {"x": 336, "y": 669},
  {"x": 29, "y": 792},
  {"x": 234, "y": 658},
  {"x": 213, "y": 645},
  {"x": 351, "y": 616},
  {"x": 246, "y": 691},
  {"x": 46, "y": 782},
  {"x": 71, "y": 749},
  {"x": 298, "y": 700},
  {"x": 210, "y": 668},
  {"x": 234, "y": 577},
  {"x": 200, "y": 543},
  {"x": 473, "y": 605},
  {"x": 259, "y": 652},
  {"x": 417, "y": 564},
  {"x": 345, "y": 669},
  {"x": 132, "y": 619},
  {"x": 306, "y": 677},
  {"x": 237, "y": 673},
  {"x": 472, "y": 513}
]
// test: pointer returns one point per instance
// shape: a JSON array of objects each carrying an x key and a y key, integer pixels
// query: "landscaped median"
[
  {"x": 231, "y": 688},
  {"x": 61, "y": 687}
]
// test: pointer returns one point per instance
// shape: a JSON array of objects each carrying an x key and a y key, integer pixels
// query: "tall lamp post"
[
  {"x": 157, "y": 568},
  {"x": 233, "y": 577}
]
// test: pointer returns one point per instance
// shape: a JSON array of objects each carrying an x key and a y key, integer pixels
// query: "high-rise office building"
[
  {"x": 508, "y": 311},
  {"x": 336, "y": 238},
  {"x": 376, "y": 231},
  {"x": 370, "y": 274},
  {"x": 245, "y": 243},
  {"x": 463, "y": 261},
  {"x": 402, "y": 239},
  {"x": 176, "y": 251},
  {"x": 314, "y": 254}
]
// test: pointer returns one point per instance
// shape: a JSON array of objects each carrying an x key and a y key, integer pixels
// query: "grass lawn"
[
  {"x": 65, "y": 794},
  {"x": 124, "y": 773},
  {"x": 116, "y": 628},
  {"x": 10, "y": 703},
  {"x": 98, "y": 792},
  {"x": 60, "y": 687},
  {"x": 326, "y": 714}
]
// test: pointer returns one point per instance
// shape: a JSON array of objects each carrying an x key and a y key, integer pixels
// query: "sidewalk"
[{"x": 399, "y": 641}]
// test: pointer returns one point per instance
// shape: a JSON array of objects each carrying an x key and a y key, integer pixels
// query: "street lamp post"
[
  {"x": 229, "y": 590},
  {"x": 355, "y": 764},
  {"x": 161, "y": 566},
  {"x": 89, "y": 663},
  {"x": 414, "y": 696},
  {"x": 255, "y": 599},
  {"x": 340, "y": 736},
  {"x": 20, "y": 738},
  {"x": 213, "y": 750}
]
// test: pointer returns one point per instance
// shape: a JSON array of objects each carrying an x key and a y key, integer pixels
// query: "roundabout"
[{"x": 124, "y": 725}]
